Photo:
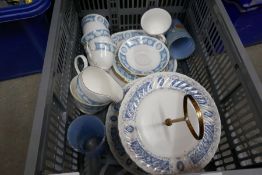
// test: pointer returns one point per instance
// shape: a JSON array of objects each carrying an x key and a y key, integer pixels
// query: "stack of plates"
[
  {"x": 139, "y": 55},
  {"x": 140, "y": 141}
]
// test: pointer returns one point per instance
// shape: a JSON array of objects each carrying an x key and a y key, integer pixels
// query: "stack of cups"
[
  {"x": 93, "y": 88},
  {"x": 97, "y": 42}
]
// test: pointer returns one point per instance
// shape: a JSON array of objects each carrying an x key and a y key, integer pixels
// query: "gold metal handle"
[
  {"x": 28, "y": 1},
  {"x": 169, "y": 122}
]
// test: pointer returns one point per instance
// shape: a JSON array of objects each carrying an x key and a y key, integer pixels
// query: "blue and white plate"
[
  {"x": 126, "y": 77},
  {"x": 161, "y": 149},
  {"x": 119, "y": 37},
  {"x": 114, "y": 141},
  {"x": 143, "y": 55}
]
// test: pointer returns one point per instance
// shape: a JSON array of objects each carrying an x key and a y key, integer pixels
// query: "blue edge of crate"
[{"x": 23, "y": 32}]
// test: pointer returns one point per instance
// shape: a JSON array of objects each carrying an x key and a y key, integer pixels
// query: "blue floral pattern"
[
  {"x": 94, "y": 18},
  {"x": 105, "y": 46},
  {"x": 129, "y": 128},
  {"x": 204, "y": 149},
  {"x": 197, "y": 154},
  {"x": 159, "y": 165},
  {"x": 97, "y": 33},
  {"x": 120, "y": 37},
  {"x": 147, "y": 41},
  {"x": 130, "y": 77}
]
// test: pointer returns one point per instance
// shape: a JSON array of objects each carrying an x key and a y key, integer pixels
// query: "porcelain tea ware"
[
  {"x": 143, "y": 55},
  {"x": 122, "y": 76},
  {"x": 93, "y": 34},
  {"x": 119, "y": 37},
  {"x": 101, "y": 52},
  {"x": 114, "y": 141},
  {"x": 168, "y": 124},
  {"x": 172, "y": 66},
  {"x": 80, "y": 103},
  {"x": 97, "y": 87},
  {"x": 93, "y": 22},
  {"x": 180, "y": 43},
  {"x": 86, "y": 134},
  {"x": 156, "y": 22}
]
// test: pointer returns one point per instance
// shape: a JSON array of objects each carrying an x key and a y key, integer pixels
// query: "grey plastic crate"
[{"x": 219, "y": 63}]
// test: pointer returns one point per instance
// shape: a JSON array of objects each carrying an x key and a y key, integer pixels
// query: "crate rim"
[{"x": 43, "y": 94}]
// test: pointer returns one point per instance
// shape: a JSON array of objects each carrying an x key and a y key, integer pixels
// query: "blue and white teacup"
[
  {"x": 94, "y": 34},
  {"x": 101, "y": 52},
  {"x": 93, "y": 22},
  {"x": 180, "y": 43},
  {"x": 95, "y": 86},
  {"x": 81, "y": 104}
]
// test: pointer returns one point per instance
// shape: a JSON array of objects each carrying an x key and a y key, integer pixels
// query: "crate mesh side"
[
  {"x": 58, "y": 156},
  {"x": 213, "y": 66}
]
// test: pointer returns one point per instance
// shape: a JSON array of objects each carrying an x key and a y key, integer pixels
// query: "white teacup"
[
  {"x": 80, "y": 103},
  {"x": 101, "y": 52},
  {"x": 93, "y": 22},
  {"x": 156, "y": 22},
  {"x": 97, "y": 87}
]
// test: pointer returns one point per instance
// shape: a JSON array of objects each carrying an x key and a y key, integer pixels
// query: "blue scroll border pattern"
[{"x": 196, "y": 158}]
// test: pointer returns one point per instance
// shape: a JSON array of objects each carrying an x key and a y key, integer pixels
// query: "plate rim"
[
  {"x": 217, "y": 124},
  {"x": 108, "y": 125}
]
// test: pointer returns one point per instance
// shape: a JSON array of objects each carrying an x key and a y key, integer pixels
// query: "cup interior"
[
  {"x": 78, "y": 100},
  {"x": 101, "y": 84},
  {"x": 182, "y": 48},
  {"x": 86, "y": 134},
  {"x": 156, "y": 21}
]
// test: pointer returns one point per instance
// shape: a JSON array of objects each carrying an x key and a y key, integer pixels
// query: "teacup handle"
[{"x": 83, "y": 58}]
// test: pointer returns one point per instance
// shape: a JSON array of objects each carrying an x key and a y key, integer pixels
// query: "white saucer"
[
  {"x": 143, "y": 55},
  {"x": 161, "y": 149},
  {"x": 123, "y": 76}
]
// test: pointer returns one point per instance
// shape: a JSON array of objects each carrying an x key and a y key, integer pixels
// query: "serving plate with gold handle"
[{"x": 168, "y": 123}]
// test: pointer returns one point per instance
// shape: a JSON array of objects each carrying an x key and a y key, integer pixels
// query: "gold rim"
[
  {"x": 119, "y": 76},
  {"x": 117, "y": 60}
]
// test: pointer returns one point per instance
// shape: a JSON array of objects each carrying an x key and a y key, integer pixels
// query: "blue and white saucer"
[
  {"x": 119, "y": 37},
  {"x": 114, "y": 141},
  {"x": 143, "y": 55},
  {"x": 126, "y": 77},
  {"x": 161, "y": 149}
]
